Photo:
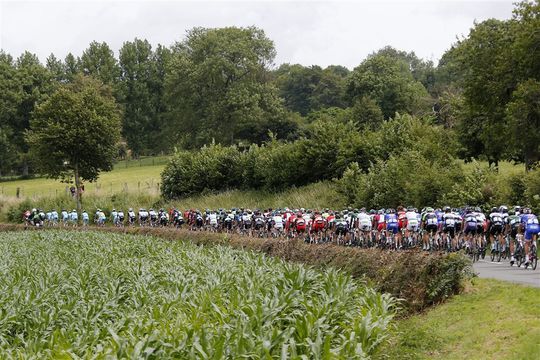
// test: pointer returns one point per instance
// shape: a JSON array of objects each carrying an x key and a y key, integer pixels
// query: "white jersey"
[
  {"x": 278, "y": 221},
  {"x": 74, "y": 216},
  {"x": 213, "y": 219},
  {"x": 307, "y": 218},
  {"x": 65, "y": 216},
  {"x": 412, "y": 218},
  {"x": 364, "y": 221}
]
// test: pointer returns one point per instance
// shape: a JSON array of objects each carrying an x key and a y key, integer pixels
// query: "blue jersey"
[
  {"x": 528, "y": 220},
  {"x": 439, "y": 216},
  {"x": 390, "y": 219}
]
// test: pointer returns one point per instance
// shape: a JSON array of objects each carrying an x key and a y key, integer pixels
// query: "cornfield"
[{"x": 95, "y": 295}]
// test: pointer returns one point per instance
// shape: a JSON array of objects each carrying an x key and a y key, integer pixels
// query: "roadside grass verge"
[{"x": 491, "y": 320}]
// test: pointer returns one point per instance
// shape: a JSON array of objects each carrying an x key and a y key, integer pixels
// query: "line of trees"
[{"x": 221, "y": 85}]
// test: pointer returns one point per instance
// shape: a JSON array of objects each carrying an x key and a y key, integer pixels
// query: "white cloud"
[{"x": 306, "y": 32}]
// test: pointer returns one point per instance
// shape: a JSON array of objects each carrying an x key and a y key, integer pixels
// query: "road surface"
[{"x": 503, "y": 271}]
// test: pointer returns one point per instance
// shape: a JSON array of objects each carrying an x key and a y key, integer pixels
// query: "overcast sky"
[{"x": 322, "y": 33}]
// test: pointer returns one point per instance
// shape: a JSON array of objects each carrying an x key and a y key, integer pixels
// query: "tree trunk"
[
  {"x": 25, "y": 168},
  {"x": 78, "y": 194}
]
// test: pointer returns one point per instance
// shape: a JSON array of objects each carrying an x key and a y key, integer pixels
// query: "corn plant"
[{"x": 94, "y": 295}]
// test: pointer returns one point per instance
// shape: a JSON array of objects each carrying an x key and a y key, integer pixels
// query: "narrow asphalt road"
[{"x": 503, "y": 271}]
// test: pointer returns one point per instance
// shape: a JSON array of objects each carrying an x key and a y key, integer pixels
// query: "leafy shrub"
[
  {"x": 214, "y": 167},
  {"x": 408, "y": 178}
]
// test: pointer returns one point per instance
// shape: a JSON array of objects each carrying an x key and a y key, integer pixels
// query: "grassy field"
[
  {"x": 97, "y": 295},
  {"x": 133, "y": 178},
  {"x": 492, "y": 320}
]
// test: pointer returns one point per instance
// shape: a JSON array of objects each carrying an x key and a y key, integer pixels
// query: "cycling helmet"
[
  {"x": 503, "y": 209},
  {"x": 494, "y": 209},
  {"x": 447, "y": 209}
]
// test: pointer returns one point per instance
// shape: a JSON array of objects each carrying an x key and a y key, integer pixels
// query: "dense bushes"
[
  {"x": 418, "y": 278},
  {"x": 214, "y": 167},
  {"x": 325, "y": 152},
  {"x": 407, "y": 161}
]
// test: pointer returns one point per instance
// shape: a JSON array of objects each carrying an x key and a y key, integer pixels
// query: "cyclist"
[
  {"x": 143, "y": 217},
  {"x": 114, "y": 217},
  {"x": 530, "y": 228},
  {"x": 153, "y": 217},
  {"x": 277, "y": 220},
  {"x": 65, "y": 217},
  {"x": 163, "y": 217},
  {"x": 513, "y": 222},
  {"x": 430, "y": 225},
  {"x": 121, "y": 217},
  {"x": 342, "y": 229},
  {"x": 392, "y": 226},
  {"x": 470, "y": 226},
  {"x": 413, "y": 223},
  {"x": 100, "y": 217},
  {"x": 73, "y": 217},
  {"x": 85, "y": 218},
  {"x": 402, "y": 223},
  {"x": 364, "y": 222},
  {"x": 449, "y": 225},
  {"x": 317, "y": 225},
  {"x": 54, "y": 217},
  {"x": 496, "y": 222},
  {"x": 131, "y": 216}
]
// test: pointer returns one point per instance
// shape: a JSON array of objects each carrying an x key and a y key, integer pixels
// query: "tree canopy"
[{"x": 74, "y": 133}]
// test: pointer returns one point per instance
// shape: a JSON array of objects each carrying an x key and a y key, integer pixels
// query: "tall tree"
[
  {"x": 56, "y": 68},
  {"x": 523, "y": 114},
  {"x": 33, "y": 84},
  {"x": 388, "y": 80},
  {"x": 217, "y": 87},
  {"x": 98, "y": 61},
  {"x": 307, "y": 89},
  {"x": 141, "y": 92},
  {"x": 72, "y": 66},
  {"x": 74, "y": 133}
]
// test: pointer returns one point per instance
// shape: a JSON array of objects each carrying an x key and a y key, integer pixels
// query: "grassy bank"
[
  {"x": 491, "y": 320},
  {"x": 318, "y": 195}
]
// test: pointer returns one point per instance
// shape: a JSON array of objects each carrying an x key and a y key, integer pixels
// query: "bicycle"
[{"x": 533, "y": 257}]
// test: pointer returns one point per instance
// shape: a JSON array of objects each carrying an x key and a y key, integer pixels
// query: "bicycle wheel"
[
  {"x": 500, "y": 254},
  {"x": 520, "y": 258},
  {"x": 493, "y": 253}
]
